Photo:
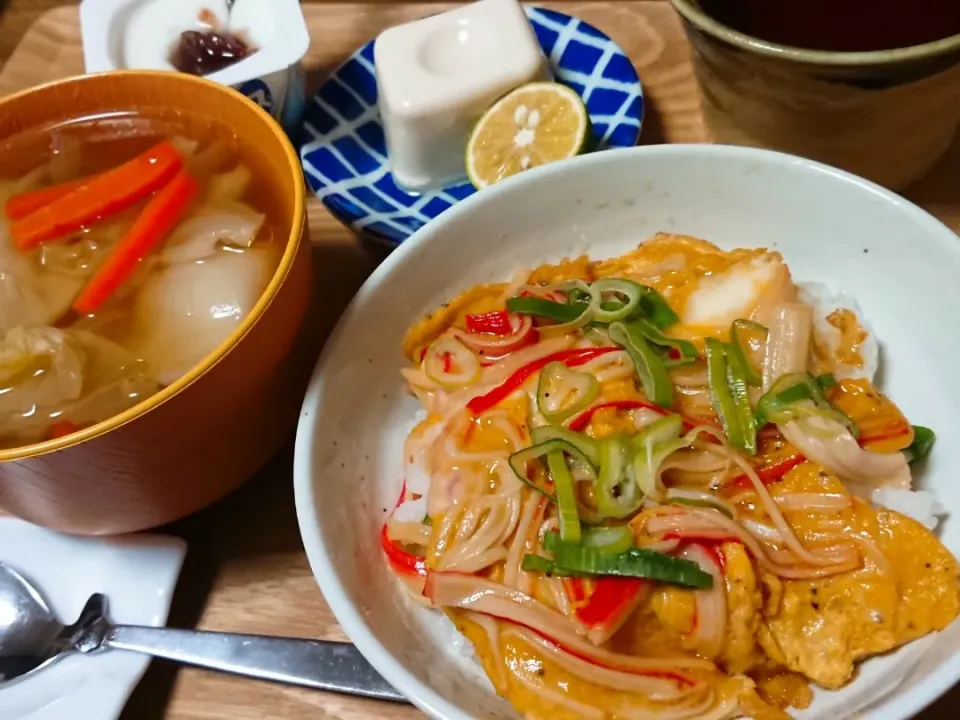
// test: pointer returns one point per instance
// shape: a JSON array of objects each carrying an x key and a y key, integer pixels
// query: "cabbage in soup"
[{"x": 131, "y": 246}]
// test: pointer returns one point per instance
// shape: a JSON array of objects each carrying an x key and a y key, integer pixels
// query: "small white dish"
[
  {"x": 271, "y": 76},
  {"x": 898, "y": 262},
  {"x": 137, "y": 573}
]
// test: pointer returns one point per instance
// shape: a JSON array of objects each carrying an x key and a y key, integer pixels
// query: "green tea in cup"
[
  {"x": 870, "y": 86},
  {"x": 840, "y": 25}
]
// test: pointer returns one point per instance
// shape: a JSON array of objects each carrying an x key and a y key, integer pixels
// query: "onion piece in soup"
[
  {"x": 200, "y": 235},
  {"x": 49, "y": 376}
]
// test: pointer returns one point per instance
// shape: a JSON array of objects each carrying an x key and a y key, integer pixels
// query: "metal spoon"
[{"x": 31, "y": 638}]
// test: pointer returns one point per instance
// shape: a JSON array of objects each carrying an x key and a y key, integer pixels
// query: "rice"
[
  {"x": 824, "y": 300},
  {"x": 920, "y": 505}
]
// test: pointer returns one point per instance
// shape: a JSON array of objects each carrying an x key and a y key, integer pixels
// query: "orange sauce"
[
  {"x": 883, "y": 428},
  {"x": 776, "y": 628},
  {"x": 852, "y": 337}
]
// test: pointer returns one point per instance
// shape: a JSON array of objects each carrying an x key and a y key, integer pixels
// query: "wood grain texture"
[{"x": 245, "y": 569}]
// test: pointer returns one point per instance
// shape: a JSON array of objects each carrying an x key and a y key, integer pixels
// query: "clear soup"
[{"x": 131, "y": 246}]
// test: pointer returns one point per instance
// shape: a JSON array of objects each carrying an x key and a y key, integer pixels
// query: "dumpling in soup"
[{"x": 184, "y": 311}]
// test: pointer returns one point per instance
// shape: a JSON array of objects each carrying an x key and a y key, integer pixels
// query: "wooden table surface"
[{"x": 245, "y": 569}]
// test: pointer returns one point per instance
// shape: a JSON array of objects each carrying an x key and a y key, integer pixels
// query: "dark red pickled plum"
[{"x": 205, "y": 52}]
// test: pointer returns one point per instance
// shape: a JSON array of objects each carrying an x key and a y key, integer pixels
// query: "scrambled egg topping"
[
  {"x": 906, "y": 588},
  {"x": 780, "y": 634},
  {"x": 706, "y": 286}
]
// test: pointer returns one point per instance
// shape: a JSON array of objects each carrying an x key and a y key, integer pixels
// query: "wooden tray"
[{"x": 245, "y": 569}]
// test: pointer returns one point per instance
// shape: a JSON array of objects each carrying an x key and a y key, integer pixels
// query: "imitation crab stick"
[
  {"x": 603, "y": 604},
  {"x": 96, "y": 197},
  {"x": 570, "y": 358},
  {"x": 403, "y": 563},
  {"x": 772, "y": 473},
  {"x": 584, "y": 418},
  {"x": 496, "y": 322},
  {"x": 154, "y": 223}
]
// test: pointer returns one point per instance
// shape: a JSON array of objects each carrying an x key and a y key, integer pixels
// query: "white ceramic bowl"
[{"x": 898, "y": 262}]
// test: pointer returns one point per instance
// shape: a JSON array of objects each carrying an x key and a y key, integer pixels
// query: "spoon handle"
[{"x": 318, "y": 664}]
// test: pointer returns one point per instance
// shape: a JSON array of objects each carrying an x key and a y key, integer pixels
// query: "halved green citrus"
[{"x": 535, "y": 124}]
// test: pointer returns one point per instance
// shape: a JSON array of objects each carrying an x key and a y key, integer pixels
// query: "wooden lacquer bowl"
[{"x": 202, "y": 436}]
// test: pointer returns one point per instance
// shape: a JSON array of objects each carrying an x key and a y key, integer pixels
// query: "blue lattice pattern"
[{"x": 344, "y": 153}]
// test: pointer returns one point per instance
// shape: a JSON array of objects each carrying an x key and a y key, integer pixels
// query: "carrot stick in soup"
[
  {"x": 155, "y": 222},
  {"x": 25, "y": 203},
  {"x": 100, "y": 196},
  {"x": 61, "y": 428}
]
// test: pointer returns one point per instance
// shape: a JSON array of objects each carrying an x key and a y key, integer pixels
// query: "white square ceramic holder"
[
  {"x": 271, "y": 77},
  {"x": 137, "y": 573}
]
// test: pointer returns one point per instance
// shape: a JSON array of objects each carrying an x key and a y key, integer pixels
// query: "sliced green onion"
[
  {"x": 562, "y": 393},
  {"x": 738, "y": 383},
  {"x": 427, "y": 520},
  {"x": 650, "y": 303},
  {"x": 687, "y": 350},
  {"x": 568, "y": 318},
  {"x": 566, "y": 496},
  {"x": 578, "y": 296},
  {"x": 617, "y": 494},
  {"x": 739, "y": 347},
  {"x": 729, "y": 395},
  {"x": 520, "y": 460},
  {"x": 537, "y": 563},
  {"x": 615, "y": 539},
  {"x": 827, "y": 381},
  {"x": 631, "y": 292},
  {"x": 656, "y": 309},
  {"x": 655, "y": 444},
  {"x": 797, "y": 395},
  {"x": 720, "y": 396},
  {"x": 648, "y": 364},
  {"x": 595, "y": 335},
  {"x": 636, "y": 562},
  {"x": 794, "y": 388},
  {"x": 662, "y": 430},
  {"x": 923, "y": 441},
  {"x": 550, "y": 541},
  {"x": 585, "y": 445},
  {"x": 451, "y": 363},
  {"x": 541, "y": 307}
]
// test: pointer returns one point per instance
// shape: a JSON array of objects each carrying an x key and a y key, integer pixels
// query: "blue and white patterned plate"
[{"x": 342, "y": 143}]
